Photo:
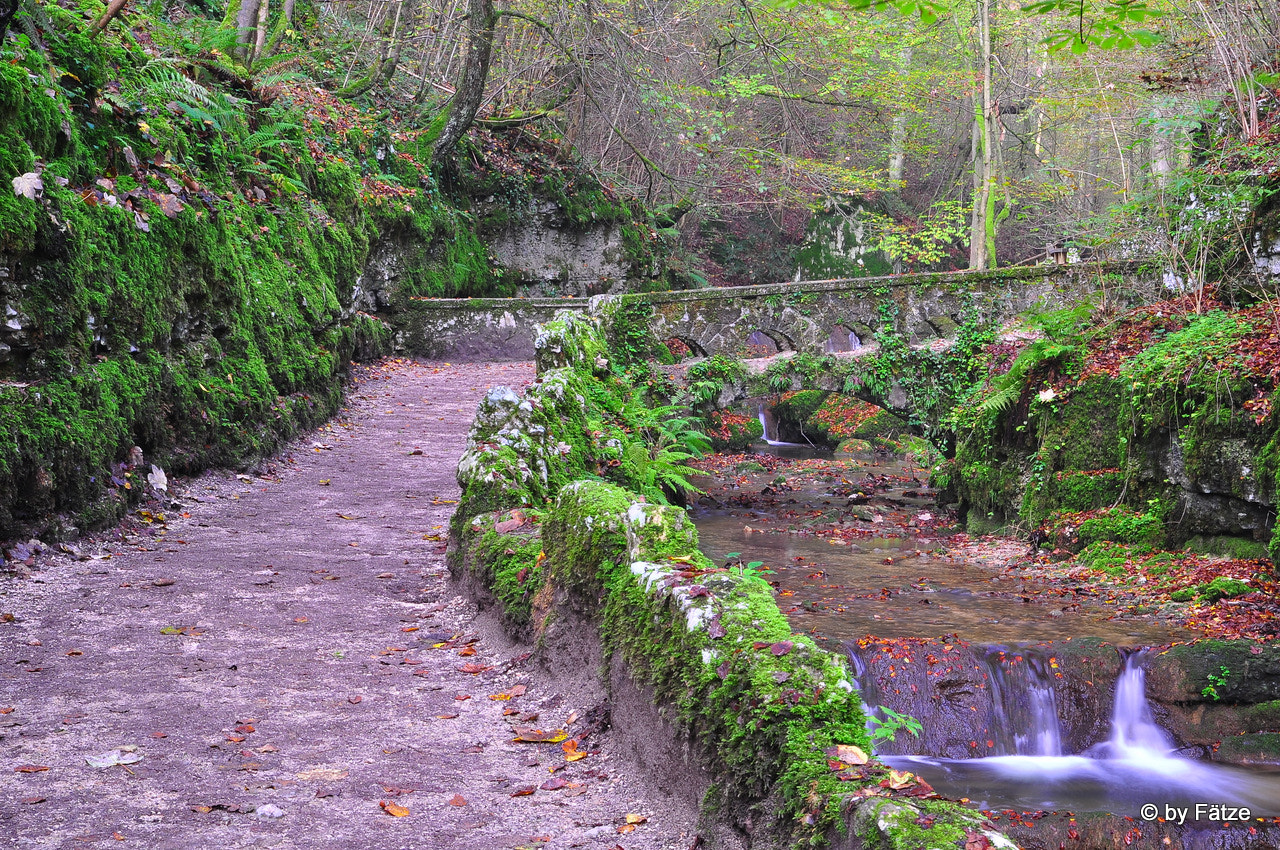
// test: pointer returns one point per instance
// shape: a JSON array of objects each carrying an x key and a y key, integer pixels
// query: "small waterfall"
[
  {"x": 1025, "y": 705},
  {"x": 771, "y": 428},
  {"x": 1134, "y": 732},
  {"x": 1127, "y": 774}
]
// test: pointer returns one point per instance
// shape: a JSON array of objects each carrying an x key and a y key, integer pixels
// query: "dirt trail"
[{"x": 267, "y": 649}]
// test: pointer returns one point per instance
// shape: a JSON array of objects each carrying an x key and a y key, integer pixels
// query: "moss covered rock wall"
[
  {"x": 190, "y": 257},
  {"x": 758, "y": 720}
]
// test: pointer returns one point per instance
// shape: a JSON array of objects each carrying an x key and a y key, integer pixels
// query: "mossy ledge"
[
  {"x": 188, "y": 266},
  {"x": 749, "y": 709}
]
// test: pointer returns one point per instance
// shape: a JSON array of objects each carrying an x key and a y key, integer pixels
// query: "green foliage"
[
  {"x": 707, "y": 378},
  {"x": 1191, "y": 374},
  {"x": 749, "y": 571},
  {"x": 1216, "y": 680},
  {"x": 1122, "y": 525},
  {"x": 886, "y": 728}
]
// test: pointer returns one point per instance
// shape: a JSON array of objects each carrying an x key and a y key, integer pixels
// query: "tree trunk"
[
  {"x": 982, "y": 221},
  {"x": 246, "y": 20},
  {"x": 462, "y": 109},
  {"x": 898, "y": 134},
  {"x": 260, "y": 33}
]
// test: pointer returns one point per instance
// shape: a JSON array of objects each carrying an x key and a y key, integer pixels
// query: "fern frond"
[{"x": 1002, "y": 399}]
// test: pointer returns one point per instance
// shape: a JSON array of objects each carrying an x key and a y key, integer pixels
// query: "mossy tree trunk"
[{"x": 461, "y": 111}]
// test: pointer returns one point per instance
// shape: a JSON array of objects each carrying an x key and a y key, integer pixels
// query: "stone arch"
[
  {"x": 696, "y": 349},
  {"x": 843, "y": 338},
  {"x": 764, "y": 342}
]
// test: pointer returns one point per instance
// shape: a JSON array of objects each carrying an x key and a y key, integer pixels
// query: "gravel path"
[{"x": 264, "y": 659}]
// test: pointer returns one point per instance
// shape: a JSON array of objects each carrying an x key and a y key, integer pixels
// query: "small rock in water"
[{"x": 268, "y": 812}]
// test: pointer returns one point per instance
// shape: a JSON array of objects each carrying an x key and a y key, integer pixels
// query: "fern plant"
[{"x": 1008, "y": 388}]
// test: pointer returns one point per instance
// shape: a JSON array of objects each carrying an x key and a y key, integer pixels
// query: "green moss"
[
  {"x": 1239, "y": 548},
  {"x": 797, "y": 407},
  {"x": 585, "y": 537},
  {"x": 1222, "y": 588},
  {"x": 509, "y": 565},
  {"x": 1122, "y": 525}
]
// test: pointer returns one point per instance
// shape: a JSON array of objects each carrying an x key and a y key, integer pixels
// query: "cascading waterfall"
[
  {"x": 768, "y": 425},
  {"x": 1134, "y": 768},
  {"x": 1025, "y": 706}
]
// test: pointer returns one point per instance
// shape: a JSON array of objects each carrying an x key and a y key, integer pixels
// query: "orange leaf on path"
[
  {"x": 394, "y": 809},
  {"x": 31, "y": 768},
  {"x": 458, "y": 800}
]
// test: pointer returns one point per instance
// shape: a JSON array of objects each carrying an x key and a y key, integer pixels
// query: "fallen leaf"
[
  {"x": 537, "y": 736},
  {"x": 467, "y": 651},
  {"x": 31, "y": 801},
  {"x": 782, "y": 647},
  {"x": 571, "y": 751},
  {"x": 474, "y": 668},
  {"x": 636, "y": 818},
  {"x": 245, "y": 729},
  {"x": 393, "y": 809},
  {"x": 626, "y": 827},
  {"x": 28, "y": 185},
  {"x": 327, "y": 773},
  {"x": 850, "y": 754},
  {"x": 554, "y": 784},
  {"x": 525, "y": 791},
  {"x": 899, "y": 779},
  {"x": 458, "y": 800},
  {"x": 354, "y": 699},
  {"x": 114, "y": 757}
]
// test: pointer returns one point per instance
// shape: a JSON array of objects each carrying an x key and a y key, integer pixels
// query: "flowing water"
[
  {"x": 1135, "y": 766},
  {"x": 887, "y": 574}
]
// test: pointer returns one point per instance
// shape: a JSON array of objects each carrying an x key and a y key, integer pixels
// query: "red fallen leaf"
[
  {"x": 782, "y": 647},
  {"x": 31, "y": 801},
  {"x": 525, "y": 791},
  {"x": 461, "y": 697},
  {"x": 30, "y": 768},
  {"x": 458, "y": 800},
  {"x": 8, "y": 709},
  {"x": 467, "y": 651},
  {"x": 761, "y": 644},
  {"x": 245, "y": 729},
  {"x": 975, "y": 841},
  {"x": 554, "y": 784},
  {"x": 354, "y": 699},
  {"x": 698, "y": 590},
  {"x": 235, "y": 739},
  {"x": 474, "y": 668}
]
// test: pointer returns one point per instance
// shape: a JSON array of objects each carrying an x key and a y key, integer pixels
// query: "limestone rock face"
[{"x": 556, "y": 259}]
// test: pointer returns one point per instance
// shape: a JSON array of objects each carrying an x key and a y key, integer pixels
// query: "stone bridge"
[{"x": 810, "y": 316}]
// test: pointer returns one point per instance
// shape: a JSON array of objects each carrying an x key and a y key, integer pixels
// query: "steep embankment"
[{"x": 187, "y": 247}]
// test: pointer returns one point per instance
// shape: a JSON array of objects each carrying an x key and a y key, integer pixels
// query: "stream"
[{"x": 1031, "y": 698}]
